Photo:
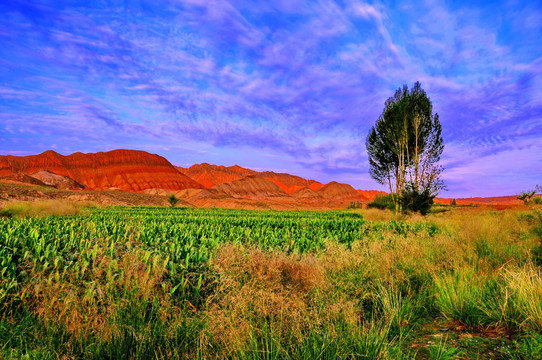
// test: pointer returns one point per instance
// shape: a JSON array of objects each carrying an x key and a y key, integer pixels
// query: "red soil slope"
[
  {"x": 371, "y": 194},
  {"x": 306, "y": 194},
  {"x": 251, "y": 186},
  {"x": 335, "y": 190},
  {"x": 290, "y": 183},
  {"x": 128, "y": 170}
]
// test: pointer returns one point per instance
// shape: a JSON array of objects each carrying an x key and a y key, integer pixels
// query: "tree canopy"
[{"x": 405, "y": 146}]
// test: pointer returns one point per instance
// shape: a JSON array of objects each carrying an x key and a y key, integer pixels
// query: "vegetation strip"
[{"x": 147, "y": 282}]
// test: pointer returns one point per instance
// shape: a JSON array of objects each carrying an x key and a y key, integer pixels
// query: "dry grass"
[
  {"x": 46, "y": 208},
  {"x": 288, "y": 293}
]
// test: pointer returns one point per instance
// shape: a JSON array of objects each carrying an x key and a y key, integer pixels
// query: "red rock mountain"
[
  {"x": 128, "y": 170},
  {"x": 211, "y": 175}
]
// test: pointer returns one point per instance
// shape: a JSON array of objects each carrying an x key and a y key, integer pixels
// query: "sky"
[{"x": 284, "y": 85}]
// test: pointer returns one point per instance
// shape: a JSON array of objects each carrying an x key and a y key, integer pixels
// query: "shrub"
[
  {"x": 382, "y": 202},
  {"x": 415, "y": 201},
  {"x": 173, "y": 200},
  {"x": 526, "y": 196}
]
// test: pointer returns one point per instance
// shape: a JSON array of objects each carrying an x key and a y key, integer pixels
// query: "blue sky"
[{"x": 282, "y": 85}]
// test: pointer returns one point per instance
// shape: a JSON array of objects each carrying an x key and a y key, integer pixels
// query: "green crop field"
[{"x": 155, "y": 282}]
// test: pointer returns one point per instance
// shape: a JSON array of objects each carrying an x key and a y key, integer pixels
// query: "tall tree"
[{"x": 405, "y": 145}]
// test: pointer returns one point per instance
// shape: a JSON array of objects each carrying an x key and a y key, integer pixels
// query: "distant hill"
[
  {"x": 139, "y": 171},
  {"x": 128, "y": 170},
  {"x": 211, "y": 175},
  {"x": 335, "y": 190}
]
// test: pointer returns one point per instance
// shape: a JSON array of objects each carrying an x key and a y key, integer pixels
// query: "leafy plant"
[
  {"x": 173, "y": 200},
  {"x": 415, "y": 201},
  {"x": 382, "y": 202}
]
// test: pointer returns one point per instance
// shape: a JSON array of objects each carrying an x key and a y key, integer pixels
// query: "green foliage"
[
  {"x": 442, "y": 351},
  {"x": 149, "y": 283},
  {"x": 415, "y": 201},
  {"x": 405, "y": 145},
  {"x": 453, "y": 203},
  {"x": 173, "y": 200},
  {"x": 382, "y": 202},
  {"x": 526, "y": 348}
]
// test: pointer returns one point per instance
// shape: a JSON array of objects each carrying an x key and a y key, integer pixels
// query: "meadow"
[{"x": 166, "y": 283}]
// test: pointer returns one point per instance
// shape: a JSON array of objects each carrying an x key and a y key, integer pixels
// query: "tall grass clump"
[
  {"x": 397, "y": 309},
  {"x": 474, "y": 299},
  {"x": 458, "y": 295},
  {"x": 525, "y": 286}
]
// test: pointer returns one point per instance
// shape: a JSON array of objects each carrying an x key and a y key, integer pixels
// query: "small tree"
[
  {"x": 173, "y": 200},
  {"x": 526, "y": 196},
  {"x": 404, "y": 148}
]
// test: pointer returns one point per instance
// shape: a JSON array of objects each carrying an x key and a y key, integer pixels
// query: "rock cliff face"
[
  {"x": 21, "y": 179},
  {"x": 57, "y": 181},
  {"x": 128, "y": 170}
]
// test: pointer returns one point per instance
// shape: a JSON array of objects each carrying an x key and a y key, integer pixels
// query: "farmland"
[{"x": 155, "y": 282}]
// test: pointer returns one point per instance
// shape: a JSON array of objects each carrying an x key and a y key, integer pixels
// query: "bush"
[
  {"x": 382, "y": 202},
  {"x": 354, "y": 205},
  {"x": 173, "y": 200},
  {"x": 526, "y": 196},
  {"x": 412, "y": 200}
]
